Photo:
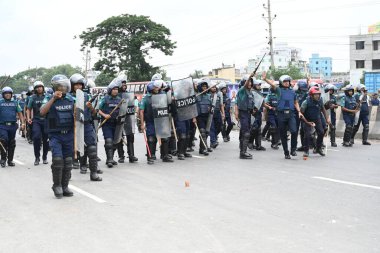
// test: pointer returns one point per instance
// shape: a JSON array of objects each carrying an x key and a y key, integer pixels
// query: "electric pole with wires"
[{"x": 269, "y": 20}]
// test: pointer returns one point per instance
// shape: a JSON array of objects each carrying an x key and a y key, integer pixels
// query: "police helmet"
[
  {"x": 6, "y": 89},
  {"x": 302, "y": 85},
  {"x": 330, "y": 87},
  {"x": 77, "y": 78},
  {"x": 156, "y": 76},
  {"x": 314, "y": 90},
  {"x": 284, "y": 78},
  {"x": 112, "y": 86},
  {"x": 30, "y": 88},
  {"x": 257, "y": 84},
  {"x": 222, "y": 85},
  {"x": 91, "y": 84},
  {"x": 61, "y": 81},
  {"x": 37, "y": 84},
  {"x": 149, "y": 87}
]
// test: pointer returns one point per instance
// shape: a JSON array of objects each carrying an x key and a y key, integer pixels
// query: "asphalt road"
[{"x": 268, "y": 204}]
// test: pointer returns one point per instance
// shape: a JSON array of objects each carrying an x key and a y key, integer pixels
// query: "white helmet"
[
  {"x": 37, "y": 84},
  {"x": 159, "y": 84},
  {"x": 157, "y": 76}
]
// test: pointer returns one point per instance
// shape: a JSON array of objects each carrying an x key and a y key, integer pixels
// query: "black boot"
[
  {"x": 180, "y": 152},
  {"x": 172, "y": 144},
  {"x": 274, "y": 134},
  {"x": 165, "y": 151},
  {"x": 347, "y": 136},
  {"x": 332, "y": 137},
  {"x": 131, "y": 149},
  {"x": 11, "y": 152},
  {"x": 187, "y": 155},
  {"x": 108, "y": 146},
  {"x": 202, "y": 141},
  {"x": 66, "y": 176},
  {"x": 83, "y": 162},
  {"x": 57, "y": 169},
  {"x": 3, "y": 151},
  {"x": 120, "y": 152},
  {"x": 354, "y": 131},
  {"x": 252, "y": 136},
  {"x": 152, "y": 148},
  {"x": 93, "y": 162},
  {"x": 259, "y": 147},
  {"x": 190, "y": 139},
  {"x": 243, "y": 147},
  {"x": 365, "y": 135},
  {"x": 36, "y": 161}
]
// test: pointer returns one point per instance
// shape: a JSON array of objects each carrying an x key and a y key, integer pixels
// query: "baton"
[
  {"x": 146, "y": 144},
  {"x": 196, "y": 125},
  {"x": 175, "y": 133},
  {"x": 114, "y": 109}
]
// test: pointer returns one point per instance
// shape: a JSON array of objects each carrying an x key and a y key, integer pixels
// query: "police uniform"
[
  {"x": 216, "y": 128},
  {"x": 363, "y": 100},
  {"x": 330, "y": 106},
  {"x": 204, "y": 106},
  {"x": 272, "y": 101},
  {"x": 107, "y": 104},
  {"x": 60, "y": 129},
  {"x": 146, "y": 107},
  {"x": 90, "y": 149},
  {"x": 245, "y": 105},
  {"x": 227, "y": 124},
  {"x": 8, "y": 127},
  {"x": 349, "y": 117},
  {"x": 38, "y": 128},
  {"x": 311, "y": 110}
]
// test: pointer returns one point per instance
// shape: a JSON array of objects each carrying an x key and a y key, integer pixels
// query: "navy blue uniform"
[{"x": 311, "y": 110}]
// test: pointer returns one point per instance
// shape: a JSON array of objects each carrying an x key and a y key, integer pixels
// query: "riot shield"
[
  {"x": 325, "y": 96},
  {"x": 130, "y": 118},
  {"x": 185, "y": 99},
  {"x": 258, "y": 99},
  {"x": 161, "y": 115},
  {"x": 118, "y": 135},
  {"x": 214, "y": 98},
  {"x": 79, "y": 122}
]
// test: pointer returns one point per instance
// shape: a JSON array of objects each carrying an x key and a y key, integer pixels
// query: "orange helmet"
[{"x": 314, "y": 90}]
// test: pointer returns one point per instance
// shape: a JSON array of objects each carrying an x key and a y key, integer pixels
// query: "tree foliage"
[
  {"x": 124, "y": 42},
  {"x": 292, "y": 71}
]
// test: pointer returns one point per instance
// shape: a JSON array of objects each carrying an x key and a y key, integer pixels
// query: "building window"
[
  {"x": 325, "y": 68},
  {"x": 375, "y": 44},
  {"x": 316, "y": 62},
  {"x": 325, "y": 62},
  {"x": 359, "y": 45},
  {"x": 360, "y": 64},
  {"x": 376, "y": 64},
  {"x": 316, "y": 69}
]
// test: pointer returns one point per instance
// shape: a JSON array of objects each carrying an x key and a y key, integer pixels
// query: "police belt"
[
  {"x": 285, "y": 111},
  {"x": 8, "y": 123}
]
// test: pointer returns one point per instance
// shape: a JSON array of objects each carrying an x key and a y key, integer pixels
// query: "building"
[
  {"x": 320, "y": 67},
  {"x": 283, "y": 56},
  {"x": 364, "y": 55},
  {"x": 227, "y": 72}
]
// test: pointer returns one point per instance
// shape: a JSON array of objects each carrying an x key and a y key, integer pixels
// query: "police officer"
[
  {"x": 217, "y": 118},
  {"x": 77, "y": 81},
  {"x": 301, "y": 94},
  {"x": 38, "y": 123},
  {"x": 255, "y": 133},
  {"x": 147, "y": 123},
  {"x": 363, "y": 100},
  {"x": 349, "y": 108},
  {"x": 108, "y": 104},
  {"x": 204, "y": 107},
  {"x": 130, "y": 137},
  {"x": 244, "y": 108},
  {"x": 29, "y": 128},
  {"x": 287, "y": 107},
  {"x": 59, "y": 112},
  {"x": 271, "y": 103},
  {"x": 332, "y": 105},
  {"x": 311, "y": 109},
  {"x": 9, "y": 109},
  {"x": 227, "y": 123}
]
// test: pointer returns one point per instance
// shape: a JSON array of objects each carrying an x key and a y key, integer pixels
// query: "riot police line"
[{"x": 66, "y": 118}]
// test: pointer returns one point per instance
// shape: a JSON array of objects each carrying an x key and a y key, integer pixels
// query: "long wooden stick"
[
  {"x": 200, "y": 135},
  {"x": 147, "y": 146},
  {"x": 114, "y": 109},
  {"x": 174, "y": 130}
]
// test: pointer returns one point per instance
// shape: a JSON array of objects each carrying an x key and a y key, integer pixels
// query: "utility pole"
[
  {"x": 87, "y": 62},
  {"x": 269, "y": 20}
]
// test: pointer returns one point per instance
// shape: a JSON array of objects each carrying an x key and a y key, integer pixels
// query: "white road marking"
[
  {"x": 335, "y": 150},
  {"x": 200, "y": 157},
  {"x": 348, "y": 183},
  {"x": 89, "y": 195},
  {"x": 18, "y": 162}
]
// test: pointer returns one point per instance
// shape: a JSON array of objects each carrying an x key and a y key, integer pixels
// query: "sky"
[{"x": 41, "y": 33}]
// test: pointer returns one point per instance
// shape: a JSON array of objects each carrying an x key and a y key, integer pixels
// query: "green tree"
[
  {"x": 103, "y": 79},
  {"x": 124, "y": 42},
  {"x": 65, "y": 69},
  {"x": 292, "y": 71}
]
